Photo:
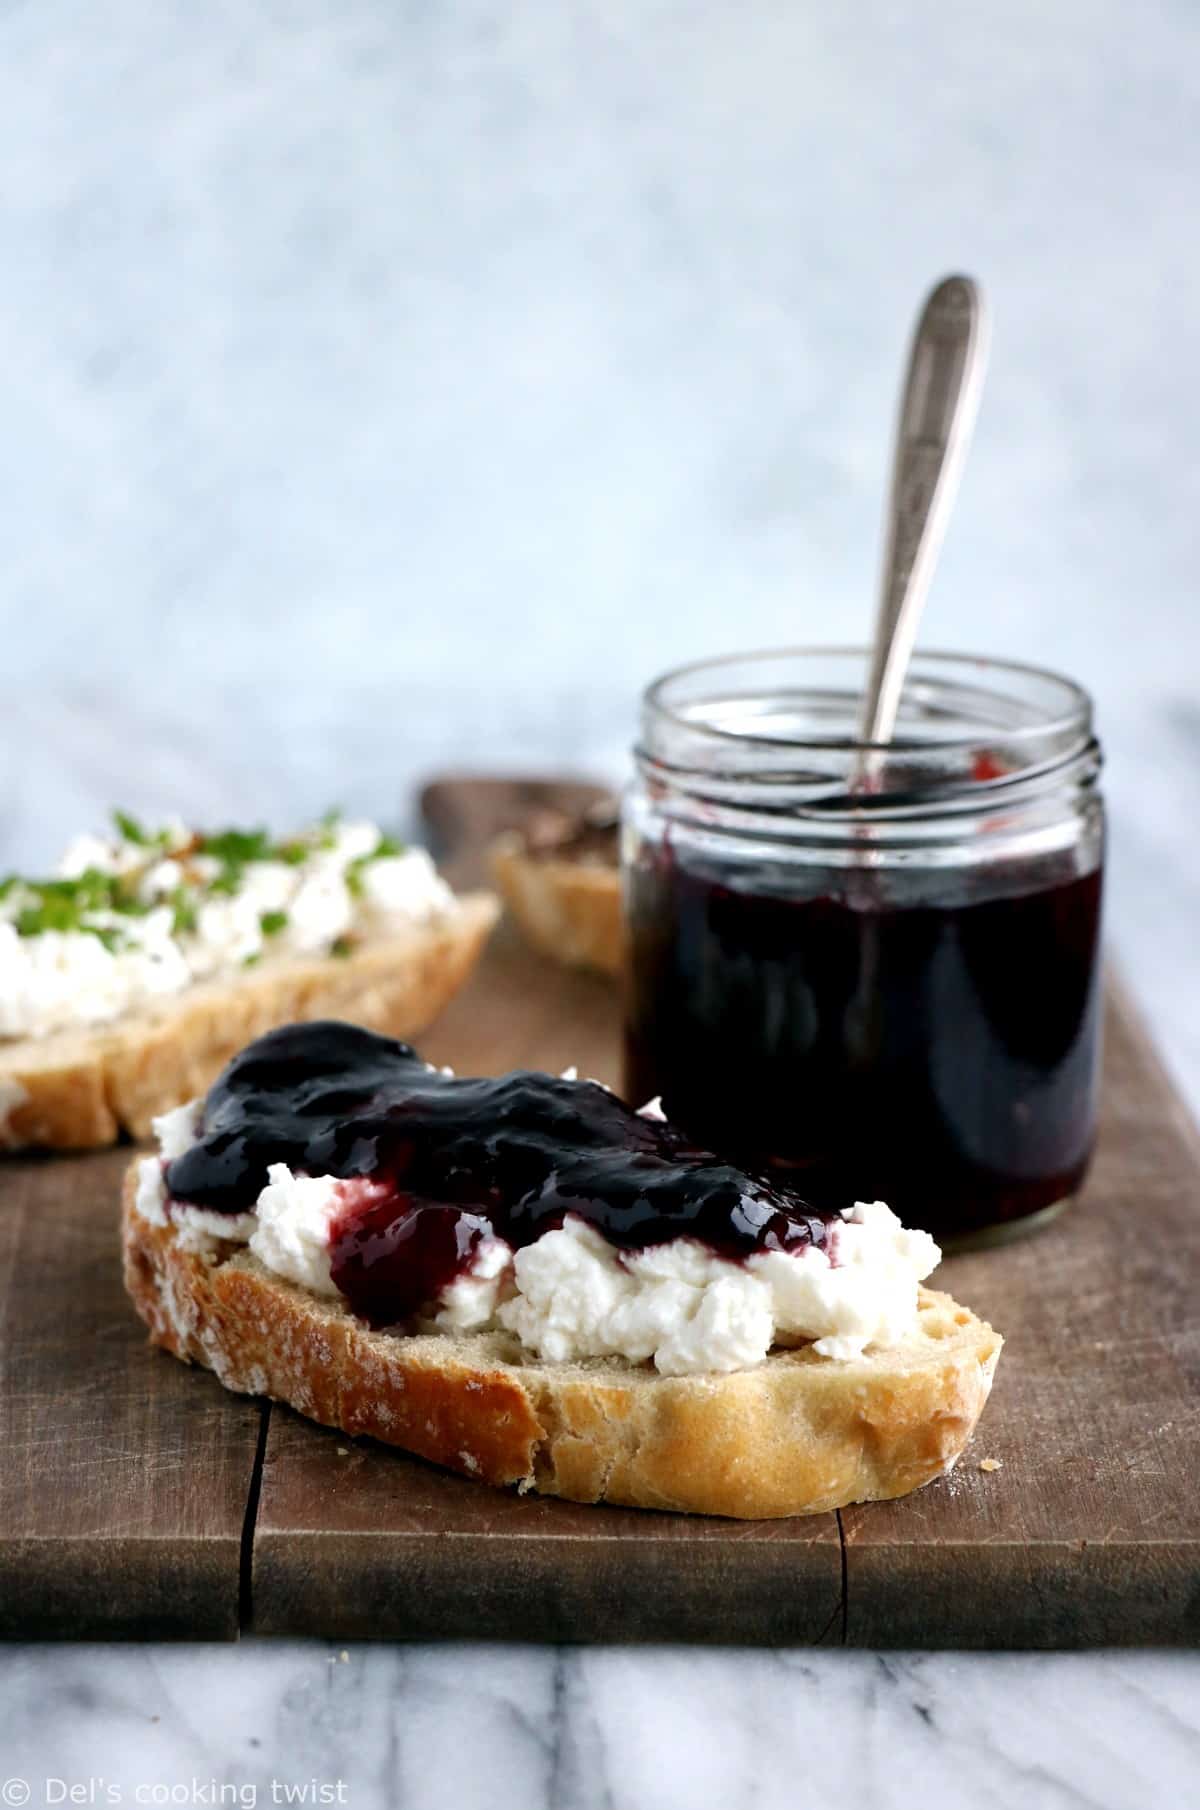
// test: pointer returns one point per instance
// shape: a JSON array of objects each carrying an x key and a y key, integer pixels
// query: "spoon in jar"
[{"x": 937, "y": 413}]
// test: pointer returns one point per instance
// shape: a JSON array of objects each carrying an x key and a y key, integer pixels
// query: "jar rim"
[{"x": 926, "y": 667}]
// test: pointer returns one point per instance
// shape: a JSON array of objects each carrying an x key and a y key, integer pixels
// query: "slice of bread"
[
  {"x": 568, "y": 909},
  {"x": 799, "y": 1434},
  {"x": 78, "y": 1089}
]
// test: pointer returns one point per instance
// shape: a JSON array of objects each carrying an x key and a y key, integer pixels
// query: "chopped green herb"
[
  {"x": 384, "y": 849},
  {"x": 33, "y": 919},
  {"x": 236, "y": 847},
  {"x": 137, "y": 833},
  {"x": 66, "y": 904},
  {"x": 183, "y": 910},
  {"x": 131, "y": 829},
  {"x": 91, "y": 889},
  {"x": 342, "y": 946},
  {"x": 75, "y": 904},
  {"x": 249, "y": 961},
  {"x": 60, "y": 913}
]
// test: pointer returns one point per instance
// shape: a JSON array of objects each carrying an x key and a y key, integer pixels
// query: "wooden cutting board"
[{"x": 137, "y": 1498}]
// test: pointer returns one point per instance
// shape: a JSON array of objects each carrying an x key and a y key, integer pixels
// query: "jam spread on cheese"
[{"x": 456, "y": 1161}]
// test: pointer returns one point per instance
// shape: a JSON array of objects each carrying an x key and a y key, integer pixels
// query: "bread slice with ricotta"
[
  {"x": 796, "y": 1434},
  {"x": 560, "y": 878},
  {"x": 81, "y": 1088}
]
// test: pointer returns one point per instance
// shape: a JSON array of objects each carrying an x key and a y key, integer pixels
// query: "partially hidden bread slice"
[
  {"x": 569, "y": 910},
  {"x": 79, "y": 1089},
  {"x": 797, "y": 1435}
]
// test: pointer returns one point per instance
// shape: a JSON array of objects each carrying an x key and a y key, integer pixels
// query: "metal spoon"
[{"x": 937, "y": 412}]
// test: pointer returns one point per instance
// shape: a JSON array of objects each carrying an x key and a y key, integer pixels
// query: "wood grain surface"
[
  {"x": 1089, "y": 1534},
  {"x": 127, "y": 1478},
  {"x": 123, "y": 1487},
  {"x": 354, "y": 1544}
]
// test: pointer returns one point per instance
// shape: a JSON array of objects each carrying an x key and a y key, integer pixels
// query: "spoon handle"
[{"x": 937, "y": 413}]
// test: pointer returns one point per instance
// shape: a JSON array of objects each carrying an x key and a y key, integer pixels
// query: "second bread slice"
[{"x": 80, "y": 1089}]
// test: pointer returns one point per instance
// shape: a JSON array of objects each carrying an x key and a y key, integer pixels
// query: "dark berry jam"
[
  {"x": 447, "y": 1162},
  {"x": 891, "y": 1037}
]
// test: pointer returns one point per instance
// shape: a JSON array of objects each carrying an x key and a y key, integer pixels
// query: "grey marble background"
[{"x": 384, "y": 386}]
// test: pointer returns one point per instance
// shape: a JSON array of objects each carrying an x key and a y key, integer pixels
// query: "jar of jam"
[{"x": 877, "y": 969}]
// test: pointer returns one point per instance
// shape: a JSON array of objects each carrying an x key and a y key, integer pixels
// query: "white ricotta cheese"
[
  {"x": 59, "y": 979},
  {"x": 178, "y": 1129},
  {"x": 471, "y": 1300},
  {"x": 675, "y": 1304},
  {"x": 573, "y": 1295},
  {"x": 408, "y": 885},
  {"x": 198, "y": 1229},
  {"x": 151, "y": 1197},
  {"x": 106, "y": 855},
  {"x": 228, "y": 933},
  {"x": 863, "y": 1292},
  {"x": 293, "y": 1220},
  {"x": 690, "y": 1311},
  {"x": 56, "y": 979}
]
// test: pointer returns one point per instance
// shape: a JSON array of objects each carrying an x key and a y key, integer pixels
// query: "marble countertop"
[
  {"x": 389, "y": 389},
  {"x": 467, "y": 1728}
]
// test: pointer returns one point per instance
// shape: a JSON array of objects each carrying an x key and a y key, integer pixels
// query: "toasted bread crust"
[
  {"x": 797, "y": 1435},
  {"x": 79, "y": 1089},
  {"x": 569, "y": 910}
]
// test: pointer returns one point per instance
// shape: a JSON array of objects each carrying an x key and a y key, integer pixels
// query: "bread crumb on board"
[{"x": 990, "y": 1464}]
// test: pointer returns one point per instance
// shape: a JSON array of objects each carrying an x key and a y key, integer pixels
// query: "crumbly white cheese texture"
[
  {"x": 688, "y": 1310},
  {"x": 341, "y": 888},
  {"x": 293, "y": 1219},
  {"x": 571, "y": 1294}
]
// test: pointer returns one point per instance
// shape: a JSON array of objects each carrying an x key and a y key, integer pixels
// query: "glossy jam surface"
[
  {"x": 877, "y": 1038},
  {"x": 453, "y": 1161}
]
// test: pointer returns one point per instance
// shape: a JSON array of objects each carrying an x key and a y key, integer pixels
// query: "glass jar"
[{"x": 874, "y": 968}]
